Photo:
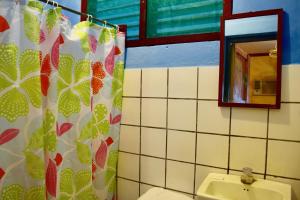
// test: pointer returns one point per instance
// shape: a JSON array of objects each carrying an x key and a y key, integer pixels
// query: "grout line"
[
  {"x": 283, "y": 140},
  {"x": 173, "y": 98},
  {"x": 196, "y": 135},
  {"x": 140, "y": 127},
  {"x": 284, "y": 177},
  {"x": 267, "y": 144},
  {"x": 167, "y": 124},
  {"x": 208, "y": 133},
  {"x": 283, "y": 102},
  {"x": 229, "y": 141},
  {"x": 169, "y": 159}
]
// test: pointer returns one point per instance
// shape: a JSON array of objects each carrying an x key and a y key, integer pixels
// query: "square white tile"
[
  {"x": 154, "y": 112},
  {"x": 153, "y": 142},
  {"x": 212, "y": 150},
  {"x": 183, "y": 181},
  {"x": 182, "y": 114},
  {"x": 183, "y": 82},
  {"x": 208, "y": 82},
  {"x": 203, "y": 171},
  {"x": 294, "y": 183},
  {"x": 129, "y": 139},
  {"x": 131, "y": 111},
  {"x": 248, "y": 152},
  {"x": 154, "y": 82},
  {"x": 153, "y": 171},
  {"x": 290, "y": 83},
  {"x": 249, "y": 122},
  {"x": 127, "y": 190},
  {"x": 128, "y": 166},
  {"x": 285, "y": 123},
  {"x": 209, "y": 114},
  {"x": 132, "y": 82},
  {"x": 181, "y": 145},
  {"x": 284, "y": 159}
]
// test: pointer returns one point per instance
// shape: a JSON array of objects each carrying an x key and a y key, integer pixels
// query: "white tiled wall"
[{"x": 173, "y": 133}]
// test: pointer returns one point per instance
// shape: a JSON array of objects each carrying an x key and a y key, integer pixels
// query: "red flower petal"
[
  {"x": 61, "y": 39},
  {"x": 45, "y": 73},
  {"x": 94, "y": 167},
  {"x": 8, "y": 135},
  {"x": 45, "y": 83},
  {"x": 117, "y": 50},
  {"x": 42, "y": 36},
  {"x": 116, "y": 119},
  {"x": 98, "y": 74},
  {"x": 93, "y": 43},
  {"x": 98, "y": 71},
  {"x": 58, "y": 159},
  {"x": 64, "y": 128},
  {"x": 110, "y": 62},
  {"x": 2, "y": 173},
  {"x": 51, "y": 178},
  {"x": 101, "y": 155},
  {"x": 46, "y": 68},
  {"x": 3, "y": 24},
  {"x": 55, "y": 52},
  {"x": 109, "y": 141}
]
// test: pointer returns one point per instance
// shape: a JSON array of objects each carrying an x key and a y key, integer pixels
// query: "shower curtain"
[{"x": 60, "y": 105}]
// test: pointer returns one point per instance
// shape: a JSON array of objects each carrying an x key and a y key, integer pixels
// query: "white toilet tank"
[{"x": 162, "y": 194}]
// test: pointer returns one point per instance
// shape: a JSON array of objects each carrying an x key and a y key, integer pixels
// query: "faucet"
[{"x": 247, "y": 176}]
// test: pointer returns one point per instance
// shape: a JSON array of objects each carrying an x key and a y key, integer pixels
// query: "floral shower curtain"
[{"x": 60, "y": 105}]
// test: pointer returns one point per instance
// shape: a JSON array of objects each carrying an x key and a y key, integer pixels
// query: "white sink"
[{"x": 229, "y": 187}]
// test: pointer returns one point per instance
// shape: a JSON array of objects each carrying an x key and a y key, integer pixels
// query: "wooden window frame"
[{"x": 144, "y": 41}]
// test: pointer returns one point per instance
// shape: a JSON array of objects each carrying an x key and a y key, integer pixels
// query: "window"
[{"x": 154, "y": 22}]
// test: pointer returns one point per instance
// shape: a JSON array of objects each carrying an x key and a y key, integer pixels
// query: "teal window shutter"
[
  {"x": 118, "y": 12},
  {"x": 182, "y": 17}
]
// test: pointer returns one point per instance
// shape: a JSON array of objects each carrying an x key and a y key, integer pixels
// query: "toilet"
[{"x": 163, "y": 194}]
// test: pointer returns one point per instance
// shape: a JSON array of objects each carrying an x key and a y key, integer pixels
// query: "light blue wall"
[
  {"x": 74, "y": 4},
  {"x": 207, "y": 53}
]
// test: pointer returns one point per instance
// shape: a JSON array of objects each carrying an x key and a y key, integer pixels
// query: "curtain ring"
[
  {"x": 90, "y": 18},
  {"x": 55, "y": 3},
  {"x": 45, "y": 4}
]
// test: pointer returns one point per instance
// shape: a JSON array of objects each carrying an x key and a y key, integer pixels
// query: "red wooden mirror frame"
[{"x": 279, "y": 13}]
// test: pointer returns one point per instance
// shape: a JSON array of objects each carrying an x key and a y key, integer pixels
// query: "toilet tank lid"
[{"x": 162, "y": 194}]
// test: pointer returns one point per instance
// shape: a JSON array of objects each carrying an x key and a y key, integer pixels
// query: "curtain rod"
[{"x": 78, "y": 13}]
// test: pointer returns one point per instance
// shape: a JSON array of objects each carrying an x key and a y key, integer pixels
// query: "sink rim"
[{"x": 278, "y": 187}]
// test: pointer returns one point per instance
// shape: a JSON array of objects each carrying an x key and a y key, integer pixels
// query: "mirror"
[{"x": 250, "y": 61}]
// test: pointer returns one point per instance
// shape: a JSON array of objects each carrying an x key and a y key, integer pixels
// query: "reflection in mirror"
[
  {"x": 253, "y": 72},
  {"x": 250, "y": 72}
]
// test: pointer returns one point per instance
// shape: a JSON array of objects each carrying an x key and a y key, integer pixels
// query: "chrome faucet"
[{"x": 247, "y": 176}]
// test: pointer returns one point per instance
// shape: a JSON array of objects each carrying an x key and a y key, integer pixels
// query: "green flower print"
[
  {"x": 117, "y": 84},
  {"x": 97, "y": 125},
  {"x": 32, "y": 22},
  {"x": 19, "y": 81},
  {"x": 76, "y": 185},
  {"x": 17, "y": 192},
  {"x": 110, "y": 174},
  {"x": 73, "y": 85}
]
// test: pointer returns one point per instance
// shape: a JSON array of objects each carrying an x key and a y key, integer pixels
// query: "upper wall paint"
[
  {"x": 207, "y": 53},
  {"x": 291, "y": 23}
]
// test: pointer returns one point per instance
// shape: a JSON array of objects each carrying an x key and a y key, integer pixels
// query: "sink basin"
[{"x": 229, "y": 187}]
